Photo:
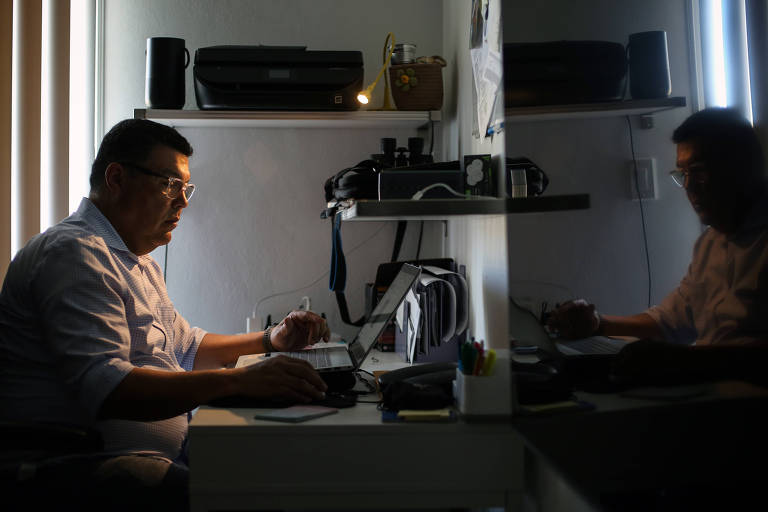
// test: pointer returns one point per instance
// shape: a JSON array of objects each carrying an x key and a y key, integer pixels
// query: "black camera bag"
[{"x": 358, "y": 182}]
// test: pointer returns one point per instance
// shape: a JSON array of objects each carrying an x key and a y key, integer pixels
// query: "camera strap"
[{"x": 338, "y": 274}]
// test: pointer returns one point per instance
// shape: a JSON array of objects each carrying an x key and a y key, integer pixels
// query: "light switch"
[{"x": 646, "y": 179}]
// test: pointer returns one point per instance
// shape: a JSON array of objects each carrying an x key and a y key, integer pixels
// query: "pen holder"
[{"x": 491, "y": 395}]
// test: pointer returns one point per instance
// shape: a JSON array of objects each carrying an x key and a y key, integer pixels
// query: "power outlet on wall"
[
  {"x": 253, "y": 324},
  {"x": 645, "y": 183}
]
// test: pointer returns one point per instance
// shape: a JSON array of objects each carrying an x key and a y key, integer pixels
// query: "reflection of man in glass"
[{"x": 716, "y": 321}]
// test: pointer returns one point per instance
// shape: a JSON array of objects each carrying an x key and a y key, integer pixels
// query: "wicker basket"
[{"x": 423, "y": 93}]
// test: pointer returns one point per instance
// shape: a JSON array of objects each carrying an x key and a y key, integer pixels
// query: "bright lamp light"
[{"x": 364, "y": 96}]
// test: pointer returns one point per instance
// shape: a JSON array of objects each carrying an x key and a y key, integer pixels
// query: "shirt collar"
[{"x": 91, "y": 215}]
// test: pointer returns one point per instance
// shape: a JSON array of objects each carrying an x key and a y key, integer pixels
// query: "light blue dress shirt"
[
  {"x": 723, "y": 299},
  {"x": 78, "y": 311}
]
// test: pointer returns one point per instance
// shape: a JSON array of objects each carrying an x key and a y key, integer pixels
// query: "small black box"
[
  {"x": 562, "y": 72},
  {"x": 403, "y": 184}
]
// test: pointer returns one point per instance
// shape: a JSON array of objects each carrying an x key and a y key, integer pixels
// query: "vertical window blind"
[
  {"x": 25, "y": 121},
  {"x": 6, "y": 46},
  {"x": 732, "y": 52},
  {"x": 40, "y": 41}
]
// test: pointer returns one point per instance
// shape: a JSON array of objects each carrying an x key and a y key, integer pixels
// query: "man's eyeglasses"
[
  {"x": 696, "y": 173},
  {"x": 175, "y": 186}
]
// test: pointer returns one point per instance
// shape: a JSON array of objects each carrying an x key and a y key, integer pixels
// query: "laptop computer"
[
  {"x": 347, "y": 358},
  {"x": 527, "y": 330},
  {"x": 585, "y": 364}
]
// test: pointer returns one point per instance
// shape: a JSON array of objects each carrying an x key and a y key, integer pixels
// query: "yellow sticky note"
[{"x": 425, "y": 415}]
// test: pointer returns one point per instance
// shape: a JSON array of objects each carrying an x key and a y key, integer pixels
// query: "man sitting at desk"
[
  {"x": 715, "y": 323},
  {"x": 88, "y": 335}
]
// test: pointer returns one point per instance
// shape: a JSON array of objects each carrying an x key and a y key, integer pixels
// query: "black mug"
[
  {"x": 649, "y": 65},
  {"x": 167, "y": 58}
]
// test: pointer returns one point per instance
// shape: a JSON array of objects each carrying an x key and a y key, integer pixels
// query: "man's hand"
[
  {"x": 575, "y": 319},
  {"x": 281, "y": 377},
  {"x": 297, "y": 330}
]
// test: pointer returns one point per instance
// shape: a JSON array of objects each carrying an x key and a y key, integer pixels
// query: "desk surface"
[
  {"x": 362, "y": 414},
  {"x": 351, "y": 460},
  {"x": 632, "y": 449}
]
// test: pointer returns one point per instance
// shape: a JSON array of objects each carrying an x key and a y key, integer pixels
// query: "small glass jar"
[{"x": 404, "y": 53}]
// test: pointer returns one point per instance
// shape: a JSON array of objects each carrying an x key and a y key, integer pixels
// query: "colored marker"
[{"x": 490, "y": 361}]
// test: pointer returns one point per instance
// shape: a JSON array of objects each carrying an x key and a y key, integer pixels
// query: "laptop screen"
[
  {"x": 526, "y": 329},
  {"x": 383, "y": 313}
]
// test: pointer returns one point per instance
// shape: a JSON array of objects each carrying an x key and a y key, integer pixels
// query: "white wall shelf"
[
  {"x": 442, "y": 209},
  {"x": 592, "y": 110},
  {"x": 287, "y": 119}
]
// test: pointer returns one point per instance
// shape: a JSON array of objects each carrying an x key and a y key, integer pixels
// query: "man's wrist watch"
[{"x": 265, "y": 340}]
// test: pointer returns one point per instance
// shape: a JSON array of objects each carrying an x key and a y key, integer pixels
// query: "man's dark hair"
[
  {"x": 725, "y": 137},
  {"x": 132, "y": 140}
]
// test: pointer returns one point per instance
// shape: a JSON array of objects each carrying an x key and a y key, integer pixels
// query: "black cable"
[
  {"x": 165, "y": 265},
  {"x": 421, "y": 234},
  {"x": 402, "y": 225},
  {"x": 431, "y": 135},
  {"x": 371, "y": 388},
  {"x": 626, "y": 73},
  {"x": 368, "y": 385},
  {"x": 642, "y": 208}
]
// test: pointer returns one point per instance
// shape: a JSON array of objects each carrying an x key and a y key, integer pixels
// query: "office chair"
[{"x": 27, "y": 447}]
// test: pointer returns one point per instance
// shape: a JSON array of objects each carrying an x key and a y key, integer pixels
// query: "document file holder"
[{"x": 443, "y": 304}]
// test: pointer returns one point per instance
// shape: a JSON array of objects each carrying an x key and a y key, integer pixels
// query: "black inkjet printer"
[{"x": 276, "y": 78}]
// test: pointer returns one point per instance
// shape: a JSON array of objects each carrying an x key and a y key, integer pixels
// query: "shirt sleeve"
[
  {"x": 675, "y": 318},
  {"x": 186, "y": 340},
  {"x": 81, "y": 297},
  {"x": 675, "y": 313}
]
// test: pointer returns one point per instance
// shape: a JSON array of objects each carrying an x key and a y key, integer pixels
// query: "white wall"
[
  {"x": 595, "y": 253},
  {"x": 479, "y": 242},
  {"x": 253, "y": 227},
  {"x": 598, "y": 253},
  {"x": 318, "y": 24}
]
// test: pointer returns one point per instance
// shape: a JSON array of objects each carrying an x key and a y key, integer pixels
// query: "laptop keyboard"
[
  {"x": 594, "y": 346},
  {"x": 317, "y": 358}
]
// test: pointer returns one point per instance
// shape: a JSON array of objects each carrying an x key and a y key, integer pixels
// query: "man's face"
[
  {"x": 147, "y": 214},
  {"x": 707, "y": 186}
]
